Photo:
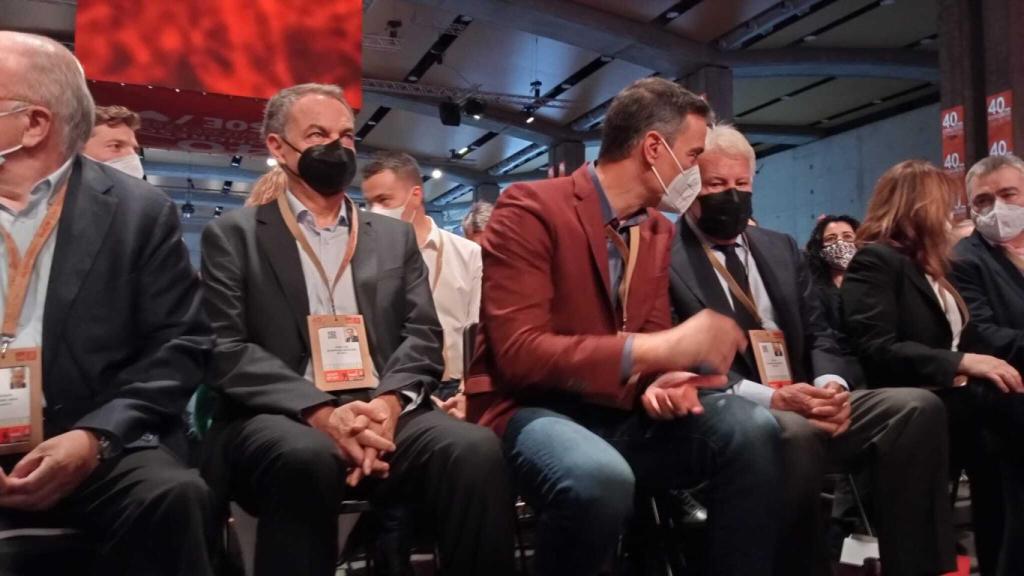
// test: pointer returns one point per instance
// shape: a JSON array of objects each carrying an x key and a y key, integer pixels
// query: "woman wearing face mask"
[
  {"x": 829, "y": 252},
  {"x": 907, "y": 324}
]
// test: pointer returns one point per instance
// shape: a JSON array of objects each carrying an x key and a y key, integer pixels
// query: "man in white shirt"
[{"x": 393, "y": 186}]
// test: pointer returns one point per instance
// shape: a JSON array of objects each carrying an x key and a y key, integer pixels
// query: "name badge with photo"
[
  {"x": 341, "y": 353},
  {"x": 21, "y": 407},
  {"x": 769, "y": 348}
]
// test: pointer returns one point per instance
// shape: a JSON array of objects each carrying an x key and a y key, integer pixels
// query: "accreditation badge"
[
  {"x": 21, "y": 400},
  {"x": 769, "y": 348},
  {"x": 341, "y": 353}
]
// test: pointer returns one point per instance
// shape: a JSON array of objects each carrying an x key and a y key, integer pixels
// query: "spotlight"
[
  {"x": 226, "y": 189},
  {"x": 187, "y": 210},
  {"x": 236, "y": 161},
  {"x": 436, "y": 173},
  {"x": 475, "y": 107},
  {"x": 529, "y": 108},
  {"x": 217, "y": 211},
  {"x": 464, "y": 150},
  {"x": 530, "y": 119},
  {"x": 271, "y": 162},
  {"x": 450, "y": 113}
]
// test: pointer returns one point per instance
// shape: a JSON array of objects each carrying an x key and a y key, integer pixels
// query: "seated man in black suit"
[
  {"x": 112, "y": 305},
  {"x": 759, "y": 278},
  {"x": 297, "y": 418},
  {"x": 988, "y": 270}
]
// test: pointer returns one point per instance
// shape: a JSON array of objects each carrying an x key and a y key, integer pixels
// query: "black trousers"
[
  {"x": 985, "y": 427},
  {"x": 898, "y": 438},
  {"x": 292, "y": 478},
  {"x": 146, "y": 513}
]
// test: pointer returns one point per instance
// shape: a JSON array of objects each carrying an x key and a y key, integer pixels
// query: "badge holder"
[
  {"x": 341, "y": 353},
  {"x": 21, "y": 406},
  {"x": 769, "y": 347}
]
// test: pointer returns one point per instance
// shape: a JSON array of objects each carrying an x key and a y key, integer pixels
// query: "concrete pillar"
[
  {"x": 962, "y": 70},
  {"x": 715, "y": 84},
  {"x": 486, "y": 193},
  {"x": 565, "y": 158}
]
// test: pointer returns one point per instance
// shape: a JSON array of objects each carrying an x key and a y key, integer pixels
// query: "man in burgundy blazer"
[{"x": 585, "y": 380}]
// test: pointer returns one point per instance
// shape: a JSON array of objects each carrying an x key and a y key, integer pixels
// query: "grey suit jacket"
[
  {"x": 125, "y": 342},
  {"x": 811, "y": 343},
  {"x": 255, "y": 296}
]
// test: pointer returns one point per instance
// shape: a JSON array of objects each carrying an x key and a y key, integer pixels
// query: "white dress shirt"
[
  {"x": 949, "y": 306},
  {"x": 457, "y": 291},
  {"x": 748, "y": 388}
]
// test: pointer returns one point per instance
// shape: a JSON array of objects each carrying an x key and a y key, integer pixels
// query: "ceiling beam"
[
  {"x": 495, "y": 119},
  {"x": 457, "y": 172},
  {"x": 655, "y": 48},
  {"x": 780, "y": 134}
]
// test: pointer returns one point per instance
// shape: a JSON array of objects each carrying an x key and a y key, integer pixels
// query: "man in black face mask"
[
  {"x": 306, "y": 416},
  {"x": 759, "y": 278}
]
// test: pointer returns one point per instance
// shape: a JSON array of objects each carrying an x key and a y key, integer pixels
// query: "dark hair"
[
  {"x": 403, "y": 165},
  {"x": 819, "y": 268},
  {"x": 647, "y": 104},
  {"x": 116, "y": 115}
]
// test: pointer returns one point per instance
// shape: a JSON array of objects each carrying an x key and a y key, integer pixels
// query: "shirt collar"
[
  {"x": 606, "y": 208},
  {"x": 305, "y": 217},
  {"x": 434, "y": 236},
  {"x": 47, "y": 187},
  {"x": 740, "y": 242}
]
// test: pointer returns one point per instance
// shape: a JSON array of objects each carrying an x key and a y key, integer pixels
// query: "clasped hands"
[
  {"x": 826, "y": 408},
  {"x": 364, "y": 433}
]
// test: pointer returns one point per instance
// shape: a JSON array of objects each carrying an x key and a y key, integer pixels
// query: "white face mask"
[
  {"x": 682, "y": 190},
  {"x": 1002, "y": 223},
  {"x": 130, "y": 165},
  {"x": 15, "y": 148},
  {"x": 397, "y": 212}
]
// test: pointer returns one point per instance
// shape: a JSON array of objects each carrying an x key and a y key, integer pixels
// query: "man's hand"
[
  {"x": 995, "y": 370},
  {"x": 674, "y": 394},
  {"x": 809, "y": 401},
  {"x": 454, "y": 406},
  {"x": 707, "y": 340},
  {"x": 355, "y": 427},
  {"x": 50, "y": 472},
  {"x": 382, "y": 412}
]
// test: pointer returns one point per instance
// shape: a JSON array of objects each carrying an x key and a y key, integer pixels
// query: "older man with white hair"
[
  {"x": 97, "y": 282},
  {"x": 795, "y": 367},
  {"x": 988, "y": 270}
]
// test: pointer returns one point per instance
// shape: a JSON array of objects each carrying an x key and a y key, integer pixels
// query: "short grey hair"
[
  {"x": 49, "y": 76},
  {"x": 275, "y": 115},
  {"x": 477, "y": 217},
  {"x": 988, "y": 165},
  {"x": 726, "y": 139}
]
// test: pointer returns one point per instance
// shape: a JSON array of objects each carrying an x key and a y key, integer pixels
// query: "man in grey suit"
[
  {"x": 898, "y": 435},
  {"x": 285, "y": 448}
]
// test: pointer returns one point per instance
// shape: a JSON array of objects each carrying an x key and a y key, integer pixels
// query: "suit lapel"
[
  {"x": 283, "y": 254},
  {"x": 364, "y": 279},
  {"x": 1010, "y": 272},
  {"x": 84, "y": 223},
  {"x": 588, "y": 209},
  {"x": 921, "y": 282},
  {"x": 783, "y": 301}
]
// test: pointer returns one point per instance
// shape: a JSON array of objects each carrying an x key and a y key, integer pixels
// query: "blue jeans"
[{"x": 577, "y": 465}]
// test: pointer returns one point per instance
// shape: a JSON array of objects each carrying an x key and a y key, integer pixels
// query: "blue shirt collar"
[
  {"x": 608, "y": 217},
  {"x": 305, "y": 217}
]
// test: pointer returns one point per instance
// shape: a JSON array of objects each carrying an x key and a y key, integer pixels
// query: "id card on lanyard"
[
  {"x": 340, "y": 349},
  {"x": 21, "y": 369},
  {"x": 768, "y": 346}
]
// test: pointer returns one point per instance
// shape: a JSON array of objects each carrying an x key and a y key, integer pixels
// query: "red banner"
[
  {"x": 999, "y": 109},
  {"x": 200, "y": 71},
  {"x": 954, "y": 146}
]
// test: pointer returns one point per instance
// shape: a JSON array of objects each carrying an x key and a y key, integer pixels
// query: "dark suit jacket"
[
  {"x": 548, "y": 329},
  {"x": 993, "y": 289},
  {"x": 124, "y": 340},
  {"x": 895, "y": 321},
  {"x": 255, "y": 295},
  {"x": 810, "y": 341}
]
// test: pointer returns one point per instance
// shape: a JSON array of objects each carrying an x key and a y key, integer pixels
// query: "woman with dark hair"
[
  {"x": 829, "y": 251},
  {"x": 907, "y": 324}
]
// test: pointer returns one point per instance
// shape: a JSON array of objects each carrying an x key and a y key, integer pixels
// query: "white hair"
[
  {"x": 48, "y": 75},
  {"x": 477, "y": 217},
  {"x": 986, "y": 166},
  {"x": 727, "y": 140},
  {"x": 275, "y": 116}
]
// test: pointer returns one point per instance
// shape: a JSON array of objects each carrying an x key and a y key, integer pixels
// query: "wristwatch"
[{"x": 107, "y": 449}]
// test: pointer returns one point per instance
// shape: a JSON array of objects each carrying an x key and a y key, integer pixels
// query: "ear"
[
  {"x": 276, "y": 147},
  {"x": 417, "y": 193},
  {"x": 651, "y": 146},
  {"x": 40, "y": 126}
]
